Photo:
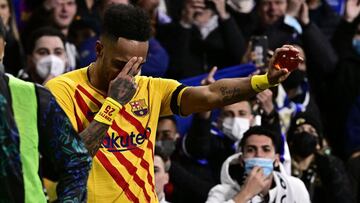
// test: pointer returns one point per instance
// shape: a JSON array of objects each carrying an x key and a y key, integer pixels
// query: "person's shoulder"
[
  {"x": 294, "y": 182},
  {"x": 154, "y": 80},
  {"x": 71, "y": 78},
  {"x": 221, "y": 193}
]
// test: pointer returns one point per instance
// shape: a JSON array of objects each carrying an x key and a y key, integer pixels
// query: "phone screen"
[{"x": 259, "y": 50}]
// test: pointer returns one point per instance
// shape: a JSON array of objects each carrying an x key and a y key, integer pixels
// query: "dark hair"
[
  {"x": 126, "y": 21},
  {"x": 2, "y": 30},
  {"x": 164, "y": 157},
  {"x": 259, "y": 130},
  {"x": 172, "y": 118},
  {"x": 38, "y": 33}
]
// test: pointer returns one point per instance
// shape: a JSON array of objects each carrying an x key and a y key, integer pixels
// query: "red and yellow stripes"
[{"x": 84, "y": 100}]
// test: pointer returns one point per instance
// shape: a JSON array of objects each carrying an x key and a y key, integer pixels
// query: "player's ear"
[{"x": 99, "y": 48}]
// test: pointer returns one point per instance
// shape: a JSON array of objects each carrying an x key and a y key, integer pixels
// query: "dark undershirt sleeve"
[{"x": 64, "y": 156}]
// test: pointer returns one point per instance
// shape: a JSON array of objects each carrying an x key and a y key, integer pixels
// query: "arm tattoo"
[
  {"x": 230, "y": 95},
  {"x": 93, "y": 136},
  {"x": 122, "y": 90}
]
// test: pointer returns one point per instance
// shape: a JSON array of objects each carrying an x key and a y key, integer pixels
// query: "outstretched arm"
[{"x": 227, "y": 91}]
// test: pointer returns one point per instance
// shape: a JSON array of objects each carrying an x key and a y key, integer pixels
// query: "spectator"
[
  {"x": 253, "y": 176},
  {"x": 189, "y": 181},
  {"x": 59, "y": 14},
  {"x": 269, "y": 19},
  {"x": 158, "y": 58},
  {"x": 319, "y": 12},
  {"x": 217, "y": 142},
  {"x": 344, "y": 123},
  {"x": 206, "y": 36},
  {"x": 161, "y": 168},
  {"x": 46, "y": 55},
  {"x": 14, "y": 58},
  {"x": 324, "y": 175}
]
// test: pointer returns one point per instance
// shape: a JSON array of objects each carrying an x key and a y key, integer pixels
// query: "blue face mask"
[
  {"x": 356, "y": 45},
  {"x": 266, "y": 164}
]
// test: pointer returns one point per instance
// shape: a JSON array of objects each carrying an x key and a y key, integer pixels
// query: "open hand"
[
  {"x": 255, "y": 183},
  {"x": 352, "y": 10},
  {"x": 123, "y": 87}
]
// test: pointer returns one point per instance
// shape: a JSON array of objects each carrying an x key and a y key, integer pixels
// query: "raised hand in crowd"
[
  {"x": 220, "y": 6},
  {"x": 352, "y": 10},
  {"x": 294, "y": 7},
  {"x": 190, "y": 9},
  {"x": 207, "y": 81},
  {"x": 210, "y": 77},
  {"x": 265, "y": 100},
  {"x": 303, "y": 16},
  {"x": 254, "y": 184}
]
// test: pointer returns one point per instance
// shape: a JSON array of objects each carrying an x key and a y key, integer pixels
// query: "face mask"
[
  {"x": 266, "y": 164},
  {"x": 50, "y": 65},
  {"x": 295, "y": 79},
  {"x": 235, "y": 128},
  {"x": 356, "y": 45},
  {"x": 168, "y": 146},
  {"x": 304, "y": 144}
]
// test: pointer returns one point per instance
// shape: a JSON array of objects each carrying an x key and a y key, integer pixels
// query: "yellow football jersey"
[{"x": 123, "y": 168}]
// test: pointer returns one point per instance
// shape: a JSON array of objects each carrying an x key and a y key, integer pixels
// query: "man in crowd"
[
  {"x": 46, "y": 55},
  {"x": 161, "y": 170},
  {"x": 323, "y": 174},
  {"x": 250, "y": 176},
  {"x": 128, "y": 106}
]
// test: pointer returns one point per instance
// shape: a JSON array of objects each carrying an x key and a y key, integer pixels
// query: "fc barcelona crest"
[{"x": 139, "y": 107}]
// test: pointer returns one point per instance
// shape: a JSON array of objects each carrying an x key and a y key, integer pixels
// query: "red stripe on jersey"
[
  {"x": 83, "y": 106},
  {"x": 92, "y": 98},
  {"x": 132, "y": 171},
  {"x": 138, "y": 152},
  {"x": 79, "y": 123},
  {"x": 132, "y": 120},
  {"x": 116, "y": 176},
  {"x": 140, "y": 128}
]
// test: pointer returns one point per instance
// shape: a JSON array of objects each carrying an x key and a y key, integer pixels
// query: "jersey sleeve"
[
  {"x": 170, "y": 92},
  {"x": 62, "y": 91}
]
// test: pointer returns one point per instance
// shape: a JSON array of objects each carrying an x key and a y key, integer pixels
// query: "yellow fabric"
[
  {"x": 136, "y": 168},
  {"x": 260, "y": 82},
  {"x": 108, "y": 111}
]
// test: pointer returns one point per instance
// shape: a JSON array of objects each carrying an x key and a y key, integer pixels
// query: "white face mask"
[
  {"x": 50, "y": 65},
  {"x": 235, "y": 128}
]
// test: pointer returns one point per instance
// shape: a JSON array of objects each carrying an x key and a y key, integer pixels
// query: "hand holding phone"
[{"x": 288, "y": 59}]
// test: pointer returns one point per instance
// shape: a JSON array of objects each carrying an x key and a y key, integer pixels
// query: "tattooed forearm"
[
  {"x": 230, "y": 95},
  {"x": 93, "y": 135}
]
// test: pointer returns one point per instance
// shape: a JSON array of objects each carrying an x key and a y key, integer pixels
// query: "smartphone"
[{"x": 259, "y": 48}]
